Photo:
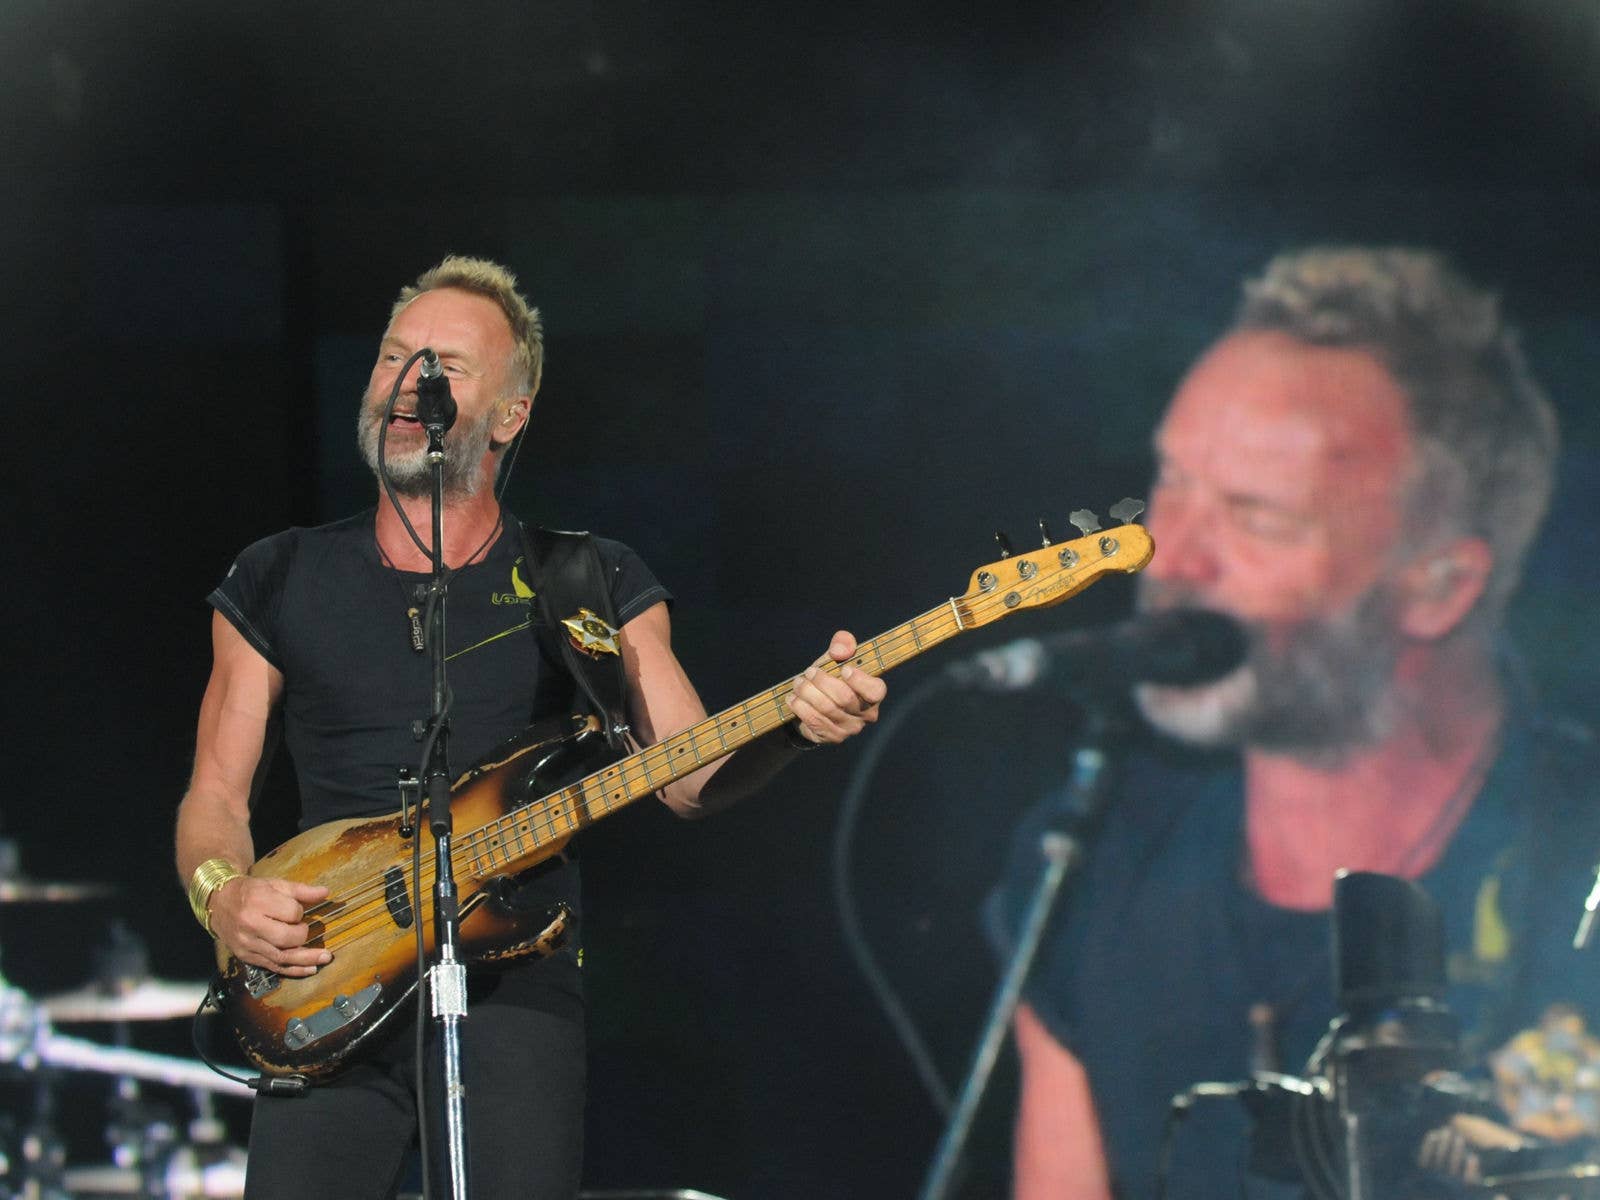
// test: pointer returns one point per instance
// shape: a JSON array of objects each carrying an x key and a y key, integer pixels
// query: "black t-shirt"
[
  {"x": 1160, "y": 949},
  {"x": 320, "y": 606}
]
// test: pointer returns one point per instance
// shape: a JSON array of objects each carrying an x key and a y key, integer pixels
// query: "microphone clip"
[{"x": 436, "y": 407}]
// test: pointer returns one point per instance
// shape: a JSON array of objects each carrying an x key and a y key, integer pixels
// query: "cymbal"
[
  {"x": 75, "y": 1054},
  {"x": 187, "y": 1170},
  {"x": 17, "y": 890},
  {"x": 146, "y": 1000}
]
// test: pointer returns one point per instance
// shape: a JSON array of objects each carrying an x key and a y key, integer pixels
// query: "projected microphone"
[
  {"x": 1176, "y": 647},
  {"x": 435, "y": 405}
]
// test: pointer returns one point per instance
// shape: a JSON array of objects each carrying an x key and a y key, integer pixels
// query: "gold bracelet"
[{"x": 203, "y": 884}]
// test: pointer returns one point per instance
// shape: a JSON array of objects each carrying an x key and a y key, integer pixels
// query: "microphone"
[
  {"x": 435, "y": 405},
  {"x": 1176, "y": 647}
]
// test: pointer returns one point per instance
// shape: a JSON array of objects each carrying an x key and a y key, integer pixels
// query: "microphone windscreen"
[{"x": 1181, "y": 646}]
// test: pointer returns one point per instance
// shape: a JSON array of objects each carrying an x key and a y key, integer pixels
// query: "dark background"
[{"x": 831, "y": 293}]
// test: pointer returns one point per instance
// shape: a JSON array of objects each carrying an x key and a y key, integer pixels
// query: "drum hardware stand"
[
  {"x": 1585, "y": 931},
  {"x": 41, "y": 1154},
  {"x": 143, "y": 1136},
  {"x": 1061, "y": 849}
]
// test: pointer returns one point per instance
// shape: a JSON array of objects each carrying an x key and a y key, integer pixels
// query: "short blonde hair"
[{"x": 486, "y": 278}]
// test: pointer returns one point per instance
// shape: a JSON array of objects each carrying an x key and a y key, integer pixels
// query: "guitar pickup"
[
  {"x": 301, "y": 1032},
  {"x": 397, "y": 897}
]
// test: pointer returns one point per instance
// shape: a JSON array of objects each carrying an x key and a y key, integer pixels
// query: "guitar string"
[
  {"x": 342, "y": 916},
  {"x": 368, "y": 905},
  {"x": 539, "y": 819}
]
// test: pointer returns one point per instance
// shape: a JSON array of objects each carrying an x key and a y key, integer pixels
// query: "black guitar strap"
[{"x": 576, "y": 623}]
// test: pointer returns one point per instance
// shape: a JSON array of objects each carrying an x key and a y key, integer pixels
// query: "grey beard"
[
  {"x": 1325, "y": 693},
  {"x": 464, "y": 448}
]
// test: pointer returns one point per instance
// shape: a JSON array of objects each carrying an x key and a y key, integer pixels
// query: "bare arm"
[
  {"x": 1057, "y": 1152},
  {"x": 662, "y": 702},
  {"x": 258, "y": 920}
]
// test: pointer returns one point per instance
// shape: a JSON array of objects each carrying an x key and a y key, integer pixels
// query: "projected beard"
[
  {"x": 464, "y": 447},
  {"x": 1323, "y": 691}
]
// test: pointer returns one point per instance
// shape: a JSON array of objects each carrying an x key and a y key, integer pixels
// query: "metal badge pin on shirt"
[{"x": 590, "y": 634}]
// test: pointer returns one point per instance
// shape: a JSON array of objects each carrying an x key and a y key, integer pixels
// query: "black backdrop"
[{"x": 831, "y": 294}]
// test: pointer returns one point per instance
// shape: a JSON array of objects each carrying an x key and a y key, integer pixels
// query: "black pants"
[{"x": 351, "y": 1138}]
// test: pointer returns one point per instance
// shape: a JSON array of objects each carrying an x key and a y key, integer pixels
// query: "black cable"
[
  {"x": 294, "y": 1084},
  {"x": 501, "y": 484},
  {"x": 276, "y": 1085},
  {"x": 446, "y": 576},
  {"x": 383, "y": 457},
  {"x": 200, "y": 1051},
  {"x": 1310, "y": 1150},
  {"x": 849, "y": 919},
  {"x": 1178, "y": 1108},
  {"x": 422, "y": 993}
]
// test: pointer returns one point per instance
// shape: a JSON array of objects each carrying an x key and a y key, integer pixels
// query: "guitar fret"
[
  {"x": 739, "y": 714},
  {"x": 616, "y": 774},
  {"x": 354, "y": 922},
  {"x": 554, "y": 813}
]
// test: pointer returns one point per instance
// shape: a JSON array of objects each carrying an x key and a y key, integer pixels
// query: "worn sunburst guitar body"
[{"x": 522, "y": 807}]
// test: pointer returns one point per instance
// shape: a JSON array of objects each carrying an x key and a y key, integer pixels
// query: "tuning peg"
[
  {"x": 1085, "y": 520},
  {"x": 1126, "y": 509},
  {"x": 1005, "y": 544},
  {"x": 1044, "y": 533}
]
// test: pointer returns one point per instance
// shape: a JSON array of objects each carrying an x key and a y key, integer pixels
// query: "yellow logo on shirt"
[{"x": 520, "y": 592}]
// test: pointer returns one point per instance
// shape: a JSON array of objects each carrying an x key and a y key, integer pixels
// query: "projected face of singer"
[
  {"x": 475, "y": 346},
  {"x": 1278, "y": 500}
]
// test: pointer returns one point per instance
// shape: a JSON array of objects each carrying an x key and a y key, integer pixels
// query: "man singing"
[{"x": 319, "y": 628}]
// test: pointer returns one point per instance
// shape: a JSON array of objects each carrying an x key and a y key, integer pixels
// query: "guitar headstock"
[{"x": 1057, "y": 570}]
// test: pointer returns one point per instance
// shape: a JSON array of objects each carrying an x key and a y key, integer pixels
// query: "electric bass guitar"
[{"x": 524, "y": 804}]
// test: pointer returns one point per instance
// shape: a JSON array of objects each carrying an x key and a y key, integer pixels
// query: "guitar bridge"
[
  {"x": 301, "y": 1032},
  {"x": 258, "y": 981}
]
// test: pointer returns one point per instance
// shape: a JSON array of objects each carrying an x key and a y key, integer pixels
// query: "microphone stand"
[
  {"x": 1061, "y": 849},
  {"x": 447, "y": 978}
]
